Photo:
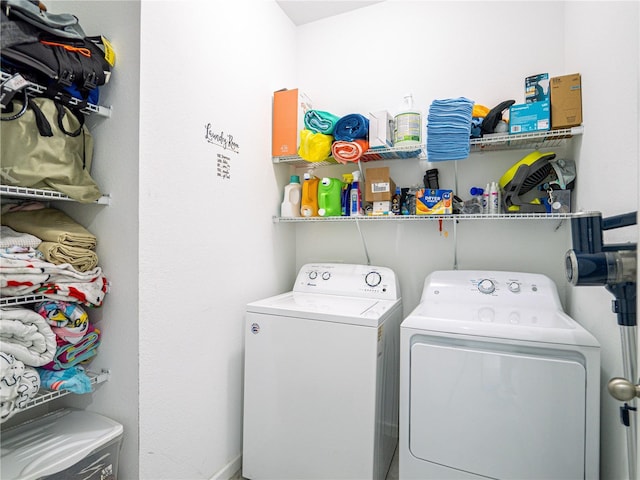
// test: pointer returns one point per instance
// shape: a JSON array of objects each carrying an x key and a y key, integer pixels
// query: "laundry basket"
[{"x": 65, "y": 444}]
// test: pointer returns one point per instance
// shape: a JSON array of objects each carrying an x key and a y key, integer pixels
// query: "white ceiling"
[{"x": 306, "y": 11}]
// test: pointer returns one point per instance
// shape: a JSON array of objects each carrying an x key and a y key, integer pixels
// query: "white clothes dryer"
[
  {"x": 497, "y": 382},
  {"x": 321, "y": 376}
]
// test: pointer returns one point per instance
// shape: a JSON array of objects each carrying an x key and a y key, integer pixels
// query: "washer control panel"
[{"x": 348, "y": 280}]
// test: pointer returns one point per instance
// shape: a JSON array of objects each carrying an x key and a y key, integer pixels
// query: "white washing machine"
[
  {"x": 321, "y": 376},
  {"x": 497, "y": 382}
]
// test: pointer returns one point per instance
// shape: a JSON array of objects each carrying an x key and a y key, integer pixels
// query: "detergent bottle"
[
  {"x": 329, "y": 191},
  {"x": 355, "y": 196},
  {"x": 309, "y": 201},
  {"x": 347, "y": 179},
  {"x": 292, "y": 193},
  {"x": 407, "y": 124}
]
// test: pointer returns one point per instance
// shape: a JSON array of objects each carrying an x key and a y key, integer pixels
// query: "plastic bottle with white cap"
[{"x": 292, "y": 194}]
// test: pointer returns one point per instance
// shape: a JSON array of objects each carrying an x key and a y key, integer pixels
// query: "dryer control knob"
[
  {"x": 486, "y": 286},
  {"x": 514, "y": 287},
  {"x": 313, "y": 274},
  {"x": 373, "y": 279},
  {"x": 326, "y": 275}
]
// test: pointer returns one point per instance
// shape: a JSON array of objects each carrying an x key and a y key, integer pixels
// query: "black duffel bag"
[{"x": 56, "y": 54}]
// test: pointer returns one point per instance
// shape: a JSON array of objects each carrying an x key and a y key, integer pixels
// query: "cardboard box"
[
  {"x": 529, "y": 117},
  {"x": 536, "y": 88},
  {"x": 379, "y": 186},
  {"x": 434, "y": 202},
  {"x": 380, "y": 129},
  {"x": 566, "y": 101},
  {"x": 381, "y": 208},
  {"x": 289, "y": 107}
]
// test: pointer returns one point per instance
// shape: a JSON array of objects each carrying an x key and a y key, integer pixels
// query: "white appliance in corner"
[
  {"x": 497, "y": 382},
  {"x": 321, "y": 376}
]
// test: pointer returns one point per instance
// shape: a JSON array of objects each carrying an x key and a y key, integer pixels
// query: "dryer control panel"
[
  {"x": 348, "y": 280},
  {"x": 491, "y": 287}
]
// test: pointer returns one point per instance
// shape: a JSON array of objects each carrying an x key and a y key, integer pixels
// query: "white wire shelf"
[
  {"x": 427, "y": 218},
  {"x": 21, "y": 300},
  {"x": 40, "y": 194},
  {"x": 45, "y": 395},
  {"x": 531, "y": 140},
  {"x": 35, "y": 90}
]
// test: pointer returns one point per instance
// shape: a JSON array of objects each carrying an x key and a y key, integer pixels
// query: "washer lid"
[
  {"x": 493, "y": 321},
  {"x": 330, "y": 308}
]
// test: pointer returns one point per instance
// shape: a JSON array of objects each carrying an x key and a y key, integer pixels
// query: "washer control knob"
[
  {"x": 514, "y": 287},
  {"x": 373, "y": 279},
  {"x": 326, "y": 275},
  {"x": 313, "y": 274},
  {"x": 486, "y": 286}
]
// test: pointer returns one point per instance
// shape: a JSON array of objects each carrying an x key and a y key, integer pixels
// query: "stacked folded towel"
[
  {"x": 71, "y": 354},
  {"x": 60, "y": 239},
  {"x": 27, "y": 273},
  {"x": 19, "y": 383},
  {"x": 27, "y": 336},
  {"x": 449, "y": 129}
]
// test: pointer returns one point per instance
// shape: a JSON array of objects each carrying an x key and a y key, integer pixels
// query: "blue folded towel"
[{"x": 350, "y": 127}]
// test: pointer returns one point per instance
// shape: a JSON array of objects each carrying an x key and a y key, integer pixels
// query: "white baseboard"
[{"x": 230, "y": 471}]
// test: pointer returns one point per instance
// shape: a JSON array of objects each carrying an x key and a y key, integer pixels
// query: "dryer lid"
[{"x": 330, "y": 308}]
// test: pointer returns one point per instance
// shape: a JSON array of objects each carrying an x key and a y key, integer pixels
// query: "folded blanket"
[
  {"x": 319, "y": 121},
  {"x": 68, "y": 321},
  {"x": 350, "y": 127},
  {"x": 18, "y": 384},
  {"x": 50, "y": 225},
  {"x": 345, "y": 152},
  {"x": 82, "y": 259},
  {"x": 69, "y": 355},
  {"x": 58, "y": 282},
  {"x": 72, "y": 379},
  {"x": 10, "y": 238},
  {"x": 314, "y": 147},
  {"x": 27, "y": 336}
]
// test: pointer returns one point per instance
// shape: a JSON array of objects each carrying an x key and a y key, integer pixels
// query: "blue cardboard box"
[
  {"x": 529, "y": 117},
  {"x": 536, "y": 88}
]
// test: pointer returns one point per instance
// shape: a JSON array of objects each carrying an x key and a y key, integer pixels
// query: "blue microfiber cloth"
[
  {"x": 449, "y": 129},
  {"x": 350, "y": 127}
]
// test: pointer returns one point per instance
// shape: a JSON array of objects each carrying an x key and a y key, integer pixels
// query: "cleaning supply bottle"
[
  {"x": 309, "y": 201},
  {"x": 407, "y": 124},
  {"x": 347, "y": 179},
  {"x": 329, "y": 191},
  {"x": 292, "y": 194},
  {"x": 355, "y": 196},
  {"x": 485, "y": 199},
  {"x": 494, "y": 198},
  {"x": 396, "y": 202}
]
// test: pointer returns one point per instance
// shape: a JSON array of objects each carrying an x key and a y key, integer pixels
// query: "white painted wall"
[
  {"x": 207, "y": 244},
  {"x": 449, "y": 49},
  {"x": 186, "y": 250}
]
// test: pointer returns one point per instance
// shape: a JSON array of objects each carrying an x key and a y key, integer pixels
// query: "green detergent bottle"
[{"x": 329, "y": 193}]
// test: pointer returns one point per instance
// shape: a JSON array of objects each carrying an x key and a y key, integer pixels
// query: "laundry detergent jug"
[
  {"x": 329, "y": 193},
  {"x": 309, "y": 201}
]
